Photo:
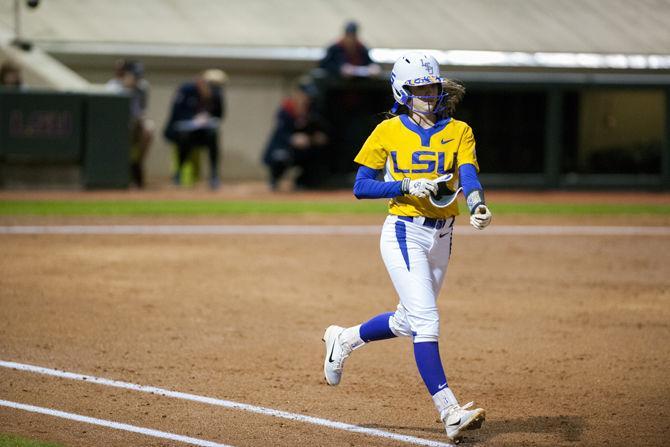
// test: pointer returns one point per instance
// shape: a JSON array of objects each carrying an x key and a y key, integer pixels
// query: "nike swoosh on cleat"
[
  {"x": 445, "y": 142},
  {"x": 332, "y": 348}
]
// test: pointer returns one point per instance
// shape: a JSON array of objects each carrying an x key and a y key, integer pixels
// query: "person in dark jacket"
[
  {"x": 197, "y": 112},
  {"x": 299, "y": 139},
  {"x": 348, "y": 57}
]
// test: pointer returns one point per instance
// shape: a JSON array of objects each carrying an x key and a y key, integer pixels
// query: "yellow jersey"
[{"x": 403, "y": 149}]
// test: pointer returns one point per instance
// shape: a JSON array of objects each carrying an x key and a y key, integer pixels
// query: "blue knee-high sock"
[
  {"x": 427, "y": 356},
  {"x": 377, "y": 328}
]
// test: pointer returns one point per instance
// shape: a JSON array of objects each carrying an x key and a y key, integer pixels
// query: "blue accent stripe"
[
  {"x": 368, "y": 187},
  {"x": 377, "y": 328},
  {"x": 469, "y": 180},
  {"x": 401, "y": 235},
  {"x": 427, "y": 356},
  {"x": 424, "y": 134},
  {"x": 451, "y": 236}
]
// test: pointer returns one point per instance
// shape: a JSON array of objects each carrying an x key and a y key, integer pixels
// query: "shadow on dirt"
[{"x": 568, "y": 428}]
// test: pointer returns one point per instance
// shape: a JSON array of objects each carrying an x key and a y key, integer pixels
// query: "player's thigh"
[
  {"x": 404, "y": 245},
  {"x": 417, "y": 301},
  {"x": 439, "y": 257}
]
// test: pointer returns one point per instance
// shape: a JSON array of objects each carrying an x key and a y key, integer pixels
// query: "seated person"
[
  {"x": 299, "y": 139},
  {"x": 196, "y": 115}
]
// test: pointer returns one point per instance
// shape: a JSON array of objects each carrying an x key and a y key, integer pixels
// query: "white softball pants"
[{"x": 416, "y": 256}]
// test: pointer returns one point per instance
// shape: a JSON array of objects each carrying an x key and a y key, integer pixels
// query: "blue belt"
[{"x": 425, "y": 221}]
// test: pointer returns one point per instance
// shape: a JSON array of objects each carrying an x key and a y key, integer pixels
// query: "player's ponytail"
[{"x": 455, "y": 92}]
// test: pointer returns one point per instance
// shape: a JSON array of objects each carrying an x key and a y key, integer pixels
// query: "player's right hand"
[{"x": 420, "y": 187}]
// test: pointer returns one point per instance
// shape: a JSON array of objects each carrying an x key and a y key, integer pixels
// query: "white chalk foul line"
[
  {"x": 226, "y": 404},
  {"x": 194, "y": 229},
  {"x": 111, "y": 424},
  {"x": 461, "y": 230}
]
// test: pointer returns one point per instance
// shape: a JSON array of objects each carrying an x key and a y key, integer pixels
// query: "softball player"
[{"x": 424, "y": 155}]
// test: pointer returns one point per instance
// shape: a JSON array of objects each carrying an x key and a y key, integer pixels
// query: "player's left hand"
[{"x": 481, "y": 218}]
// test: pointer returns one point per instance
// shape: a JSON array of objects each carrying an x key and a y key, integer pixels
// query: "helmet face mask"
[
  {"x": 416, "y": 69},
  {"x": 427, "y": 104}
]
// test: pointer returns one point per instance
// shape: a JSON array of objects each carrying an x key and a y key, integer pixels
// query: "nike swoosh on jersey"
[
  {"x": 445, "y": 142},
  {"x": 444, "y": 234}
]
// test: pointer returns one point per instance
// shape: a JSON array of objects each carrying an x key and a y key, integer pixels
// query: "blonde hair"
[{"x": 215, "y": 76}]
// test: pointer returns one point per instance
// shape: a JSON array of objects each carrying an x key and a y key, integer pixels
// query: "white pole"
[{"x": 17, "y": 20}]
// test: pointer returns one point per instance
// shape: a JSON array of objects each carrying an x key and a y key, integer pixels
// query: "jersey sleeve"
[
  {"x": 466, "y": 150},
  {"x": 372, "y": 154}
]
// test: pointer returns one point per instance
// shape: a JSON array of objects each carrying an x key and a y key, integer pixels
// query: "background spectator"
[
  {"x": 10, "y": 75},
  {"x": 129, "y": 77},
  {"x": 299, "y": 139},
  {"x": 197, "y": 111},
  {"x": 351, "y": 98},
  {"x": 348, "y": 57}
]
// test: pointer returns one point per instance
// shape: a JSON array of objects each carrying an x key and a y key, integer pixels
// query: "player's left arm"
[{"x": 480, "y": 215}]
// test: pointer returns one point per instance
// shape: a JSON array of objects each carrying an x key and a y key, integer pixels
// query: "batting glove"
[
  {"x": 481, "y": 218},
  {"x": 419, "y": 188}
]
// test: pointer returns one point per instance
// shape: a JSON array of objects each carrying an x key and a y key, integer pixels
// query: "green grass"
[
  {"x": 183, "y": 208},
  {"x": 578, "y": 209},
  {"x": 219, "y": 208},
  {"x": 15, "y": 441}
]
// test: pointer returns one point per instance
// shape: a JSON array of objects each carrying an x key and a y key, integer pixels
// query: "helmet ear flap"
[
  {"x": 401, "y": 95},
  {"x": 404, "y": 96}
]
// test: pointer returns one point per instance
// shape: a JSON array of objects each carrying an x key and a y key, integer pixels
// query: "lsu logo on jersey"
[{"x": 425, "y": 162}]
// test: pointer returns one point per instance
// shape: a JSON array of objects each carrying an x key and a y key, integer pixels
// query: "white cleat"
[
  {"x": 456, "y": 419},
  {"x": 336, "y": 354}
]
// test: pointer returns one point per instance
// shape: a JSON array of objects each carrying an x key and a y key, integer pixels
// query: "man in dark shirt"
[{"x": 348, "y": 57}]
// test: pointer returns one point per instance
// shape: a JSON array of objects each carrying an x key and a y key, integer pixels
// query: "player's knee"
[
  {"x": 426, "y": 338},
  {"x": 426, "y": 329},
  {"x": 399, "y": 327},
  {"x": 423, "y": 327}
]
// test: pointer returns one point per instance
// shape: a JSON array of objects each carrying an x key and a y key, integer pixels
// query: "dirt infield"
[{"x": 564, "y": 340}]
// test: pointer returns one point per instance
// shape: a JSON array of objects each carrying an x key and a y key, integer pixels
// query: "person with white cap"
[{"x": 197, "y": 111}]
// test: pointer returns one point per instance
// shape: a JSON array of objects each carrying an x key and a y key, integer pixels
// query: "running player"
[{"x": 424, "y": 155}]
